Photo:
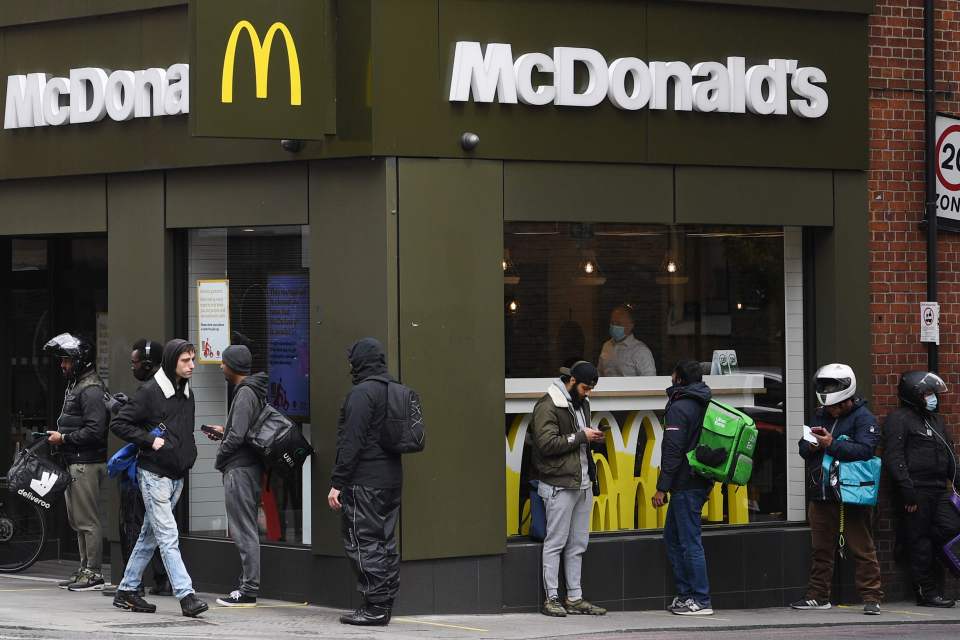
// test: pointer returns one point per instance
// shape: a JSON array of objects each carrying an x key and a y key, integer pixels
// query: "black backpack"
[
  {"x": 403, "y": 428},
  {"x": 278, "y": 441},
  {"x": 37, "y": 478}
]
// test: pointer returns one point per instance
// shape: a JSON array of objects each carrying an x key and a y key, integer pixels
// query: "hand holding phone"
[{"x": 214, "y": 432}]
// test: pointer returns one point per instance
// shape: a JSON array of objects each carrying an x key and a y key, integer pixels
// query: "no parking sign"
[{"x": 948, "y": 167}]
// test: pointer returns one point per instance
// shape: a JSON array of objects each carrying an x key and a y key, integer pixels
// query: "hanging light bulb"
[
  {"x": 671, "y": 266},
  {"x": 589, "y": 267},
  {"x": 513, "y": 306},
  {"x": 588, "y": 271}
]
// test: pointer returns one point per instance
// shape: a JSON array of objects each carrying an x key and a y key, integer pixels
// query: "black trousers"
[
  {"x": 131, "y": 521},
  {"x": 926, "y": 530},
  {"x": 369, "y": 528}
]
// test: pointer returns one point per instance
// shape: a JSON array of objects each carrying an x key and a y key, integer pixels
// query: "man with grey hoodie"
[{"x": 242, "y": 469}]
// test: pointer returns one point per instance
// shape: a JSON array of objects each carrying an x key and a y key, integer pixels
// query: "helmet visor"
[
  {"x": 932, "y": 383},
  {"x": 832, "y": 385}
]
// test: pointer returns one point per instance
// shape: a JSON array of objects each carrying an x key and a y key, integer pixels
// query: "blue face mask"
[
  {"x": 617, "y": 332},
  {"x": 931, "y": 403}
]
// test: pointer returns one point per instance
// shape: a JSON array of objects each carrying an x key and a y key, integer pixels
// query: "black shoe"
[
  {"x": 937, "y": 601},
  {"x": 237, "y": 599},
  {"x": 161, "y": 589},
  {"x": 370, "y": 615},
  {"x": 192, "y": 606},
  {"x": 132, "y": 601}
]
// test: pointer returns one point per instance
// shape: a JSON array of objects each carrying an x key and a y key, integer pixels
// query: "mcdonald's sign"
[{"x": 263, "y": 69}]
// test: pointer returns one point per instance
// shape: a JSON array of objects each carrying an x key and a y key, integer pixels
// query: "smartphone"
[
  {"x": 40, "y": 434},
  {"x": 213, "y": 433}
]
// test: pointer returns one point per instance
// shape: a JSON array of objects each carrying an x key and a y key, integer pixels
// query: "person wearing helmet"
[
  {"x": 841, "y": 413},
  {"x": 919, "y": 456},
  {"x": 81, "y": 438}
]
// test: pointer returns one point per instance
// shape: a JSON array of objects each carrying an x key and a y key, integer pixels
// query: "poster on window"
[
  {"x": 288, "y": 349},
  {"x": 213, "y": 317}
]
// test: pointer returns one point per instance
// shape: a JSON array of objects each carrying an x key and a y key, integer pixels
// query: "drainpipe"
[{"x": 930, "y": 109}]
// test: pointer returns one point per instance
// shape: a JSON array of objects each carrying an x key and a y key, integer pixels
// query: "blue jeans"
[
  {"x": 684, "y": 546},
  {"x": 160, "y": 496}
]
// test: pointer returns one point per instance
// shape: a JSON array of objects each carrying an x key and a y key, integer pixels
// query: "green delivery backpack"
[{"x": 724, "y": 451}]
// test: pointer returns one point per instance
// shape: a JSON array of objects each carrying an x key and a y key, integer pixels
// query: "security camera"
[
  {"x": 469, "y": 141},
  {"x": 292, "y": 146}
]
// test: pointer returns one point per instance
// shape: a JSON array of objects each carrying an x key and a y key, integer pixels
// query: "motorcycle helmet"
[
  {"x": 834, "y": 383},
  {"x": 915, "y": 386},
  {"x": 78, "y": 349}
]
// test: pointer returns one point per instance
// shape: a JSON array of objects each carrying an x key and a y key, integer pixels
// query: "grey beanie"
[{"x": 238, "y": 358}]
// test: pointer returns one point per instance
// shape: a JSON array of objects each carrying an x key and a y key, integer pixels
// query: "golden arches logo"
[{"x": 261, "y": 60}]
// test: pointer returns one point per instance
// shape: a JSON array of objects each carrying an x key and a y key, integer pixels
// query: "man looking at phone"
[
  {"x": 242, "y": 469},
  {"x": 841, "y": 414},
  {"x": 564, "y": 466}
]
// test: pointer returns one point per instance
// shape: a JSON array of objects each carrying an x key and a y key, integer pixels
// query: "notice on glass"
[
  {"x": 213, "y": 317},
  {"x": 930, "y": 322}
]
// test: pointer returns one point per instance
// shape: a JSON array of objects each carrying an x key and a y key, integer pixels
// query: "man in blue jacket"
[
  {"x": 841, "y": 413},
  {"x": 688, "y": 399}
]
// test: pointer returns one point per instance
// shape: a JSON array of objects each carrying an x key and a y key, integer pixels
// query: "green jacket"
[{"x": 557, "y": 441}]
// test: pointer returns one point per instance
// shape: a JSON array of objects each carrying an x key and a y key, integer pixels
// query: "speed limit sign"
[{"x": 948, "y": 167}]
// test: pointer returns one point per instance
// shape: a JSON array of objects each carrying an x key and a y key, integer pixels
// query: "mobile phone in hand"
[{"x": 210, "y": 431}]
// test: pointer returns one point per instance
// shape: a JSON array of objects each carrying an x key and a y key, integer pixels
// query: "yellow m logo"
[{"x": 261, "y": 60}]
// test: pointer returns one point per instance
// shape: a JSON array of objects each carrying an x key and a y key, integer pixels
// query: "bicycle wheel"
[{"x": 23, "y": 532}]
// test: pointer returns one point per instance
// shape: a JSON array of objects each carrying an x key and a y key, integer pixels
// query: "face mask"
[
  {"x": 931, "y": 403},
  {"x": 617, "y": 332}
]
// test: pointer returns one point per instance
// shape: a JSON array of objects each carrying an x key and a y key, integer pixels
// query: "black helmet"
[
  {"x": 914, "y": 386},
  {"x": 67, "y": 345}
]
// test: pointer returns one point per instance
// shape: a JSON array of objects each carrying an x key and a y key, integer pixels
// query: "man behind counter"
[{"x": 623, "y": 354}]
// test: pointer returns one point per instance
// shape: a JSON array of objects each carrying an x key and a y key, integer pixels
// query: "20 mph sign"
[{"x": 948, "y": 167}]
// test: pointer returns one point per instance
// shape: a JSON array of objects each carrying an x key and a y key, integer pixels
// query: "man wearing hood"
[
  {"x": 683, "y": 420},
  {"x": 563, "y": 465},
  {"x": 242, "y": 469},
  {"x": 166, "y": 402},
  {"x": 365, "y": 486},
  {"x": 918, "y": 453}
]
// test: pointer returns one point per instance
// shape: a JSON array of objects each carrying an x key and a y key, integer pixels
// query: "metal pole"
[{"x": 930, "y": 109}]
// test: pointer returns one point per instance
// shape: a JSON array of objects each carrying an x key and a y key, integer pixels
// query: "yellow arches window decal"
[{"x": 261, "y": 61}]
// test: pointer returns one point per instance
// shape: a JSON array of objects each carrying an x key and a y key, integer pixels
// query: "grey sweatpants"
[
  {"x": 241, "y": 489},
  {"x": 83, "y": 511},
  {"x": 568, "y": 531}
]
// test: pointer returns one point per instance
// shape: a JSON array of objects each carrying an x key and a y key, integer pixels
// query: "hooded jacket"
[
  {"x": 83, "y": 421},
  {"x": 859, "y": 425},
  {"x": 916, "y": 451},
  {"x": 162, "y": 400},
  {"x": 683, "y": 421},
  {"x": 360, "y": 458},
  {"x": 558, "y": 440},
  {"x": 248, "y": 400}
]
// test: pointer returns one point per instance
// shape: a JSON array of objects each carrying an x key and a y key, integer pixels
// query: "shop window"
[
  {"x": 253, "y": 284},
  {"x": 671, "y": 293}
]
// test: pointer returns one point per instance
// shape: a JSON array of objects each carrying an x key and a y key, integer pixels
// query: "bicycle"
[{"x": 23, "y": 531}]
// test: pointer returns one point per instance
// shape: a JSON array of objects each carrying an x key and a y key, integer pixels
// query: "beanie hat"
[{"x": 238, "y": 358}]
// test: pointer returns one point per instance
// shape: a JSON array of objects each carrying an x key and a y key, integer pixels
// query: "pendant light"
[{"x": 672, "y": 269}]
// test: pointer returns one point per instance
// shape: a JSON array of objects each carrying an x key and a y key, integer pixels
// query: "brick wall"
[{"x": 898, "y": 279}]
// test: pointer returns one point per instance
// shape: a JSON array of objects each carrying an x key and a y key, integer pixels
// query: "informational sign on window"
[
  {"x": 288, "y": 351},
  {"x": 213, "y": 318},
  {"x": 930, "y": 322}
]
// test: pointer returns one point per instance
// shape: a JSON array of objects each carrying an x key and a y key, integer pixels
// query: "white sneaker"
[{"x": 691, "y": 608}]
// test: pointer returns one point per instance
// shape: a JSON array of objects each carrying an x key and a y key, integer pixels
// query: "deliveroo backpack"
[
  {"x": 725, "y": 448},
  {"x": 403, "y": 427},
  {"x": 853, "y": 482}
]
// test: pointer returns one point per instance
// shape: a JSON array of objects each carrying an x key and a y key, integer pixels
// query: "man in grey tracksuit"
[{"x": 242, "y": 470}]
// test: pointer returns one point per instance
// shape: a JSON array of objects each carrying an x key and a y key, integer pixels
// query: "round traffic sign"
[{"x": 948, "y": 158}]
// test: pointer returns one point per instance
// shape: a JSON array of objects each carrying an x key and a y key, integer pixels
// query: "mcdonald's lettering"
[{"x": 261, "y": 61}]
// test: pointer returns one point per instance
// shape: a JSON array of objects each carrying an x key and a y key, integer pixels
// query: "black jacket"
[
  {"x": 859, "y": 425},
  {"x": 360, "y": 458},
  {"x": 248, "y": 400},
  {"x": 160, "y": 401},
  {"x": 83, "y": 421},
  {"x": 683, "y": 421},
  {"x": 915, "y": 452}
]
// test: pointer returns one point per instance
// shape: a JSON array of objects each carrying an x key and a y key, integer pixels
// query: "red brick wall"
[{"x": 898, "y": 246}]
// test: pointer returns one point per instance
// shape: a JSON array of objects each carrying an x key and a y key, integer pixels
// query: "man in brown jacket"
[{"x": 563, "y": 464}]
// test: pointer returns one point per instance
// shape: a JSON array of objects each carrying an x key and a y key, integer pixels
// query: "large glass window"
[
  {"x": 635, "y": 299},
  {"x": 266, "y": 276}
]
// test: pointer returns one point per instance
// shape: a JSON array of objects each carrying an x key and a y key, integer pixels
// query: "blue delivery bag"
[{"x": 853, "y": 482}]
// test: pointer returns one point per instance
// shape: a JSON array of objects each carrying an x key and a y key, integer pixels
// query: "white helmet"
[{"x": 834, "y": 383}]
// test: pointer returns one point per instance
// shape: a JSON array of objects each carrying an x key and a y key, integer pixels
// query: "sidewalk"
[{"x": 32, "y": 606}]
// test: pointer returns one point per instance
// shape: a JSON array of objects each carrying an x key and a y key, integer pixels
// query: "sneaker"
[
  {"x": 237, "y": 599},
  {"x": 132, "y": 601},
  {"x": 691, "y": 608},
  {"x": 192, "y": 606},
  {"x": 937, "y": 601},
  {"x": 677, "y": 602},
  {"x": 369, "y": 615},
  {"x": 871, "y": 608},
  {"x": 552, "y": 607},
  {"x": 73, "y": 578},
  {"x": 88, "y": 581},
  {"x": 811, "y": 604},
  {"x": 581, "y": 607}
]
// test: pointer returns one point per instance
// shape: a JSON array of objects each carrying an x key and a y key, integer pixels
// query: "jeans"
[
  {"x": 684, "y": 546},
  {"x": 241, "y": 490},
  {"x": 160, "y": 496},
  {"x": 568, "y": 533},
  {"x": 83, "y": 511}
]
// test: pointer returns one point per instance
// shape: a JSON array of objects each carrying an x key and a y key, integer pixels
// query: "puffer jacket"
[
  {"x": 557, "y": 440},
  {"x": 683, "y": 422},
  {"x": 859, "y": 425},
  {"x": 83, "y": 421},
  {"x": 916, "y": 452}
]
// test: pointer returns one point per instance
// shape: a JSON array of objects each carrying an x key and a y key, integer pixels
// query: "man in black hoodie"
[
  {"x": 242, "y": 469},
  {"x": 688, "y": 399},
  {"x": 165, "y": 403},
  {"x": 366, "y": 485}
]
